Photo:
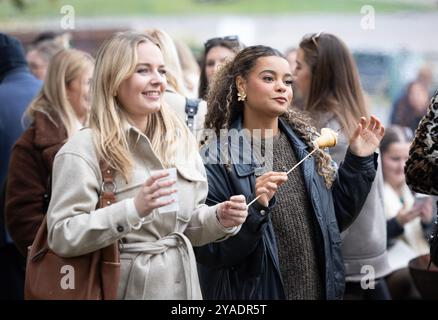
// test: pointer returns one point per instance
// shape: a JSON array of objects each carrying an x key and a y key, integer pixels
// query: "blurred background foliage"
[{"x": 25, "y": 9}]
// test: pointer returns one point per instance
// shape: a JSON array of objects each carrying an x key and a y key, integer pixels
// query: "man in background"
[{"x": 17, "y": 88}]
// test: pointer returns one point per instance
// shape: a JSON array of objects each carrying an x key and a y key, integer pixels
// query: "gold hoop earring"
[{"x": 241, "y": 96}]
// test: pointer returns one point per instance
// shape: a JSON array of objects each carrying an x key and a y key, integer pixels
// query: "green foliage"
[{"x": 35, "y": 9}]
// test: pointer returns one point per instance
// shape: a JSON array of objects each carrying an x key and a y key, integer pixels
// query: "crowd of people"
[{"x": 221, "y": 190}]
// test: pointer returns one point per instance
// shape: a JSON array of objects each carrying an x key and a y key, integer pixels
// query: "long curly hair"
[{"x": 224, "y": 108}]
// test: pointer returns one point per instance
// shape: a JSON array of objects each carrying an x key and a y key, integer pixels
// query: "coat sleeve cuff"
[
  {"x": 262, "y": 211},
  {"x": 213, "y": 221},
  {"x": 134, "y": 219},
  {"x": 228, "y": 231},
  {"x": 361, "y": 163}
]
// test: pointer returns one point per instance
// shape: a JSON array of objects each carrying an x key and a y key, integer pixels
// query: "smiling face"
[
  {"x": 302, "y": 74},
  {"x": 393, "y": 162},
  {"x": 141, "y": 93},
  {"x": 268, "y": 87}
]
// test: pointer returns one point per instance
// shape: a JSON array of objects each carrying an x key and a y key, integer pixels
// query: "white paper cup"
[{"x": 172, "y": 176}]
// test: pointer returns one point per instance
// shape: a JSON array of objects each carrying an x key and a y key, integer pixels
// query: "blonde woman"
[
  {"x": 135, "y": 133},
  {"x": 190, "y": 67},
  {"x": 57, "y": 112},
  {"x": 176, "y": 93}
]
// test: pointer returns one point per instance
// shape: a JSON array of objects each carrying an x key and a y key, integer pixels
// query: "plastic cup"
[{"x": 172, "y": 176}]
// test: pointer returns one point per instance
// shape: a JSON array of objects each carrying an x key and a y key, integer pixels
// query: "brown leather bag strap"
[
  {"x": 110, "y": 256},
  {"x": 108, "y": 197},
  {"x": 108, "y": 187}
]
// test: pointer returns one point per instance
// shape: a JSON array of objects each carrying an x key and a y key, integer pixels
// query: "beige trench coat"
[{"x": 157, "y": 260}]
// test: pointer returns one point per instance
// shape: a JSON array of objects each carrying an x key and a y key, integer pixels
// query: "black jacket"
[{"x": 246, "y": 266}]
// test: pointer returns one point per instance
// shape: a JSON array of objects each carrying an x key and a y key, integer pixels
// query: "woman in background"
[
  {"x": 216, "y": 52},
  {"x": 59, "y": 110},
  {"x": 409, "y": 217},
  {"x": 190, "y": 111},
  {"x": 328, "y": 80}
]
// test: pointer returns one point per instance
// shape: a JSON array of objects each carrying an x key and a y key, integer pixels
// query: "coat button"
[
  {"x": 120, "y": 229},
  {"x": 262, "y": 212}
]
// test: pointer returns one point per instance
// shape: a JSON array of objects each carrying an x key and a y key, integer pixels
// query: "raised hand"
[
  {"x": 267, "y": 184},
  {"x": 148, "y": 197},
  {"x": 367, "y": 136},
  {"x": 233, "y": 212}
]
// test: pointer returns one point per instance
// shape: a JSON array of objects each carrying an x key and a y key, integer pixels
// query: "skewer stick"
[
  {"x": 255, "y": 199},
  {"x": 301, "y": 161}
]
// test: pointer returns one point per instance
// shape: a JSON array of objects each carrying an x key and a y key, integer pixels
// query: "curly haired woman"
[{"x": 289, "y": 245}]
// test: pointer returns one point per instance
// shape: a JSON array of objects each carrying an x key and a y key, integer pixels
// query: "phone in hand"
[{"x": 420, "y": 200}]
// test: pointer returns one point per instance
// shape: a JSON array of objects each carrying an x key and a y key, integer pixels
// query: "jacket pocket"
[{"x": 190, "y": 180}]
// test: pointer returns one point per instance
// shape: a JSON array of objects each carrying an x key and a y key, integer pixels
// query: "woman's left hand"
[{"x": 367, "y": 136}]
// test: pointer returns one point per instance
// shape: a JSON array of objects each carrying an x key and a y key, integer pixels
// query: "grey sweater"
[
  {"x": 295, "y": 227},
  {"x": 364, "y": 242}
]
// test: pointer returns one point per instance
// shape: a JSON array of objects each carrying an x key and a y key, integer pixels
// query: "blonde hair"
[
  {"x": 116, "y": 61},
  {"x": 174, "y": 73},
  {"x": 66, "y": 66},
  {"x": 190, "y": 67}
]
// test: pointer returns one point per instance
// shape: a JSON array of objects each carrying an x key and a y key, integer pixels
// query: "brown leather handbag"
[{"x": 93, "y": 276}]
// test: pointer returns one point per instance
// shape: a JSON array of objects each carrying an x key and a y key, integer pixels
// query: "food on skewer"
[{"x": 327, "y": 139}]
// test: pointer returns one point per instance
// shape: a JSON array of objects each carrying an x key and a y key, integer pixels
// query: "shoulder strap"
[
  {"x": 107, "y": 197},
  {"x": 191, "y": 111},
  {"x": 108, "y": 188}
]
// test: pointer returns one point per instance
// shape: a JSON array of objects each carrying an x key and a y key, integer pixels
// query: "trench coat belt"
[{"x": 173, "y": 240}]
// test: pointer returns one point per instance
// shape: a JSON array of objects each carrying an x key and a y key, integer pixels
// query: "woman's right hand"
[
  {"x": 404, "y": 215},
  {"x": 233, "y": 212},
  {"x": 267, "y": 184},
  {"x": 148, "y": 197}
]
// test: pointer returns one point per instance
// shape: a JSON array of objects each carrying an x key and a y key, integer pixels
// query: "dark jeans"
[{"x": 12, "y": 268}]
